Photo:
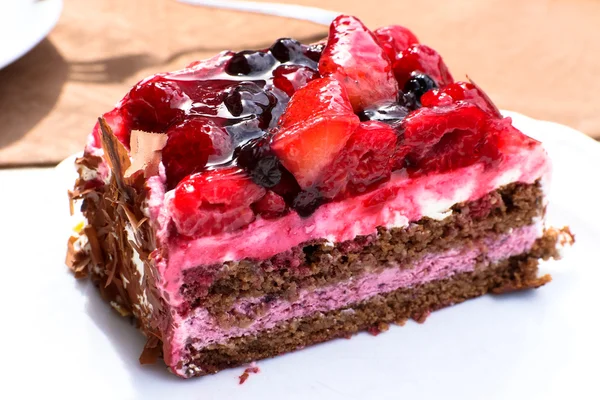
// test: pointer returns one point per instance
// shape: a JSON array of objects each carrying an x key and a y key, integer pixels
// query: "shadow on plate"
[{"x": 123, "y": 335}]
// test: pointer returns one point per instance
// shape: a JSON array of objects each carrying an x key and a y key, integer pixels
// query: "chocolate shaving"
[
  {"x": 146, "y": 153},
  {"x": 152, "y": 351},
  {"x": 77, "y": 261},
  {"x": 118, "y": 158},
  {"x": 97, "y": 257}
]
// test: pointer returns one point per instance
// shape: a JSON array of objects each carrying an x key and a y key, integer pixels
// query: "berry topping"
[
  {"x": 214, "y": 201},
  {"x": 290, "y": 78},
  {"x": 152, "y": 105},
  {"x": 286, "y": 49},
  {"x": 460, "y": 91},
  {"x": 314, "y": 128},
  {"x": 391, "y": 114},
  {"x": 373, "y": 144},
  {"x": 191, "y": 145},
  {"x": 270, "y": 206},
  {"x": 442, "y": 138},
  {"x": 419, "y": 57},
  {"x": 249, "y": 63},
  {"x": 296, "y": 126},
  {"x": 354, "y": 57},
  {"x": 395, "y": 38},
  {"x": 418, "y": 85},
  {"x": 365, "y": 161}
]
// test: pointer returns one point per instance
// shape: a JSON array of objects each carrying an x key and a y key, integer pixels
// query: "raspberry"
[
  {"x": 191, "y": 145},
  {"x": 152, "y": 105},
  {"x": 214, "y": 201}
]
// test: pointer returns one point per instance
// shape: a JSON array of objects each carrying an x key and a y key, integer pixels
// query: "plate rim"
[{"x": 56, "y": 8}]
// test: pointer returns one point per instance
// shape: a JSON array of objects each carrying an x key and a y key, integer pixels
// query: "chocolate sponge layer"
[{"x": 374, "y": 314}]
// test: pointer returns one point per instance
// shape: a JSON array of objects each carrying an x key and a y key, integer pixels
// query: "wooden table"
[{"x": 538, "y": 57}]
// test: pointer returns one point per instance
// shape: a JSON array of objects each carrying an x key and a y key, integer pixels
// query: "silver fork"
[{"x": 305, "y": 13}]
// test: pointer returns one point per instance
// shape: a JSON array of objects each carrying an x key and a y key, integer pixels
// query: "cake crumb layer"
[{"x": 516, "y": 273}]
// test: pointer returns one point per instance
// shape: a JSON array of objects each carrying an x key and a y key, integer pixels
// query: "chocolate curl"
[{"x": 118, "y": 158}]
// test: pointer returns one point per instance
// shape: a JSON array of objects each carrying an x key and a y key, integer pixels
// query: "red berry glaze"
[
  {"x": 395, "y": 38},
  {"x": 270, "y": 206},
  {"x": 354, "y": 57},
  {"x": 419, "y": 57},
  {"x": 458, "y": 91},
  {"x": 191, "y": 145},
  {"x": 314, "y": 129},
  {"x": 215, "y": 201},
  {"x": 154, "y": 104},
  {"x": 290, "y": 78}
]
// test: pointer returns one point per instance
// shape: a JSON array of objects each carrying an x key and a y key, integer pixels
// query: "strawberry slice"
[
  {"x": 447, "y": 137},
  {"x": 214, "y": 201},
  {"x": 316, "y": 125},
  {"x": 373, "y": 144},
  {"x": 425, "y": 127},
  {"x": 458, "y": 91},
  {"x": 190, "y": 145},
  {"x": 354, "y": 57},
  {"x": 364, "y": 163},
  {"x": 395, "y": 38},
  {"x": 419, "y": 57}
]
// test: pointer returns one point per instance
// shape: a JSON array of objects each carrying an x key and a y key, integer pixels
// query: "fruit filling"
[{"x": 258, "y": 134}]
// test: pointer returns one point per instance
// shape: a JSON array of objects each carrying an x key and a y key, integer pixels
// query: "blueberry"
[
  {"x": 418, "y": 85},
  {"x": 286, "y": 49},
  {"x": 391, "y": 114},
  {"x": 250, "y": 63},
  {"x": 262, "y": 165},
  {"x": 266, "y": 172},
  {"x": 307, "y": 201}
]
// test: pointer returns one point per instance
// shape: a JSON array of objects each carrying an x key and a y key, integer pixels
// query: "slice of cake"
[{"x": 262, "y": 201}]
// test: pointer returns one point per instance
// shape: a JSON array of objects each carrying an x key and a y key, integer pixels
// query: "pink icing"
[{"x": 204, "y": 329}]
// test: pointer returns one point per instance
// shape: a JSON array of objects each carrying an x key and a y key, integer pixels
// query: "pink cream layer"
[
  {"x": 204, "y": 329},
  {"x": 396, "y": 204}
]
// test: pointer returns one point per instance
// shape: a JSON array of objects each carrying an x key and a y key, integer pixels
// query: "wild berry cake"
[{"x": 262, "y": 201}]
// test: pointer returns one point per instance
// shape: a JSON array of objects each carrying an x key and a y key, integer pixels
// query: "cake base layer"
[{"x": 515, "y": 273}]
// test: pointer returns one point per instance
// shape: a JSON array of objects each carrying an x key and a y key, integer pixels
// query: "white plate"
[
  {"x": 58, "y": 337},
  {"x": 23, "y": 24}
]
